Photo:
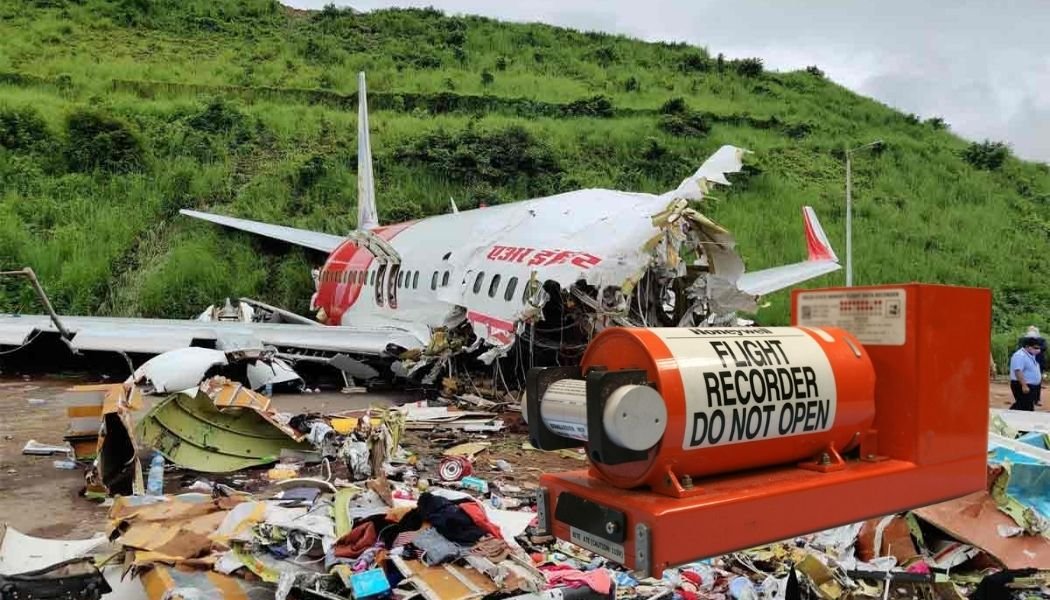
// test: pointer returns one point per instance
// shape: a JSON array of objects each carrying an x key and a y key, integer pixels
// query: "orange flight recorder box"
[{"x": 875, "y": 401}]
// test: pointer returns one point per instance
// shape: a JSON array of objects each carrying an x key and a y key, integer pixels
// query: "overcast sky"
[{"x": 982, "y": 66}]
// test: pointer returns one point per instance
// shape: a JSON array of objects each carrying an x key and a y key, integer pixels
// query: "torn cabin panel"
[
  {"x": 107, "y": 409},
  {"x": 445, "y": 582},
  {"x": 20, "y": 553},
  {"x": 192, "y": 432}
]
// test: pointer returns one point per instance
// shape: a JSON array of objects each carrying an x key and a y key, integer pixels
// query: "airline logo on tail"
[{"x": 816, "y": 240}]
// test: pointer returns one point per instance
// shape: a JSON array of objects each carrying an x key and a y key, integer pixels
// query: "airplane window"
[
  {"x": 478, "y": 281},
  {"x": 531, "y": 288},
  {"x": 511, "y": 284},
  {"x": 372, "y": 278},
  {"x": 415, "y": 280},
  {"x": 400, "y": 278},
  {"x": 434, "y": 281},
  {"x": 444, "y": 279},
  {"x": 494, "y": 285}
]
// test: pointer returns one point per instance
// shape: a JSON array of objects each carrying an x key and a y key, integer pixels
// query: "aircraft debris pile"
[{"x": 438, "y": 501}]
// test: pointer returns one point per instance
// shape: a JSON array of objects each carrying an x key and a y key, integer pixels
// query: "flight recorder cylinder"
[{"x": 704, "y": 401}]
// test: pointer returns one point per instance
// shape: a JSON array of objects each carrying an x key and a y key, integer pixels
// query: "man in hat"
[
  {"x": 1025, "y": 376},
  {"x": 1033, "y": 333}
]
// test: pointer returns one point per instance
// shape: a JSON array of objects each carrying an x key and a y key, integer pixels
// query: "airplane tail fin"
[
  {"x": 367, "y": 215},
  {"x": 821, "y": 260},
  {"x": 817, "y": 243}
]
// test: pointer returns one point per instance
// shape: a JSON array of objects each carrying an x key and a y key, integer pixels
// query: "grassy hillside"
[{"x": 115, "y": 114}]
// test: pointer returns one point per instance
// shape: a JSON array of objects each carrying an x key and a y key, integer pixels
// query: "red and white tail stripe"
[{"x": 816, "y": 240}]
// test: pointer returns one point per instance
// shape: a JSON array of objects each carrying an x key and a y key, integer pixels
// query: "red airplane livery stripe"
[{"x": 336, "y": 296}]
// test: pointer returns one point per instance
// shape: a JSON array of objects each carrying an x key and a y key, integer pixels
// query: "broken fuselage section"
[{"x": 541, "y": 276}]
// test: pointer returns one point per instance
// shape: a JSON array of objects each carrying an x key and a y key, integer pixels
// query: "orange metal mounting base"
[{"x": 744, "y": 510}]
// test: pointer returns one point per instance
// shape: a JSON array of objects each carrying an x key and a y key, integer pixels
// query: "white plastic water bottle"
[
  {"x": 155, "y": 481},
  {"x": 741, "y": 588},
  {"x": 268, "y": 390}
]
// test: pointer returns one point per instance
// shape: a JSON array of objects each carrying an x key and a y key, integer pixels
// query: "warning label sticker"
[
  {"x": 610, "y": 550},
  {"x": 748, "y": 384},
  {"x": 874, "y": 317}
]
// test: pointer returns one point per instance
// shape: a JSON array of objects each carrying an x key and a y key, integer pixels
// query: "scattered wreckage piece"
[
  {"x": 196, "y": 433},
  {"x": 976, "y": 520},
  {"x": 32, "y": 567},
  {"x": 445, "y": 582},
  {"x": 162, "y": 582},
  {"x": 35, "y": 448},
  {"x": 1024, "y": 421},
  {"x": 101, "y": 429},
  {"x": 185, "y": 368},
  {"x": 177, "y": 370},
  {"x": 418, "y": 416},
  {"x": 20, "y": 553}
]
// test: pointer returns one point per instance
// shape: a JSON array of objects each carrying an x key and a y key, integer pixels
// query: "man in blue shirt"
[
  {"x": 1033, "y": 332},
  {"x": 1025, "y": 376}
]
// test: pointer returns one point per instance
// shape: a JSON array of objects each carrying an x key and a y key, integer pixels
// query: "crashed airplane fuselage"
[
  {"x": 603, "y": 257},
  {"x": 553, "y": 270}
]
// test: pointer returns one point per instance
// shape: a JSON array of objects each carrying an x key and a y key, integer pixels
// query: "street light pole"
[
  {"x": 849, "y": 208},
  {"x": 849, "y": 223}
]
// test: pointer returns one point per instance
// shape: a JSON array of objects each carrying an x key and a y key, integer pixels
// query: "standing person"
[
  {"x": 1025, "y": 376},
  {"x": 1033, "y": 333}
]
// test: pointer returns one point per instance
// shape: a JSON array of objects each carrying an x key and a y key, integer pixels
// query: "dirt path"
[{"x": 35, "y": 497}]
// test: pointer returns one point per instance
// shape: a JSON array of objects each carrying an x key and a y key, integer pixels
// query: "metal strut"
[{"x": 29, "y": 274}]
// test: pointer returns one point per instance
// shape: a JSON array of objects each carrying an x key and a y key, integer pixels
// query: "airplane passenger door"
[
  {"x": 392, "y": 285},
  {"x": 380, "y": 283}
]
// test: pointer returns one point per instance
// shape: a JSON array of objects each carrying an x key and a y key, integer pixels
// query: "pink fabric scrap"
[{"x": 598, "y": 579}]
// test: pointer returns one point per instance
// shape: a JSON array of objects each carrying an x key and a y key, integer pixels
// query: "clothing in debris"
[
  {"x": 435, "y": 547},
  {"x": 477, "y": 514},
  {"x": 449, "y": 519},
  {"x": 361, "y": 538},
  {"x": 492, "y": 548},
  {"x": 564, "y": 575}
]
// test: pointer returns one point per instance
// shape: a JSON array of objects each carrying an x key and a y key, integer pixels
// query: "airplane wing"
[
  {"x": 323, "y": 242},
  {"x": 154, "y": 336},
  {"x": 821, "y": 260}
]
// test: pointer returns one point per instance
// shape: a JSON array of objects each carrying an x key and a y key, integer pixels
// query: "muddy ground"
[{"x": 38, "y": 499}]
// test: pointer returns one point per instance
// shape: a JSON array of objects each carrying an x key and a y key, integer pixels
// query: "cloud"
[{"x": 983, "y": 67}]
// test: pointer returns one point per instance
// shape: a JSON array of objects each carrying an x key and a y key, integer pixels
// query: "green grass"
[{"x": 248, "y": 108}]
